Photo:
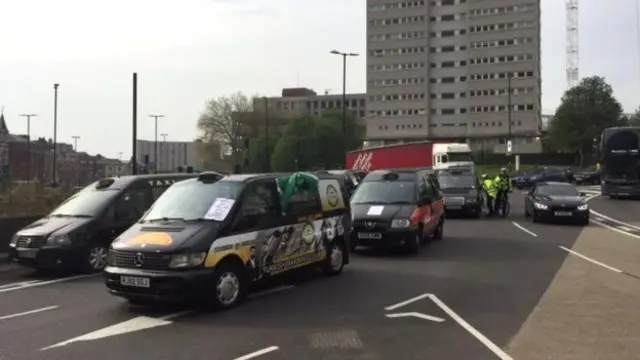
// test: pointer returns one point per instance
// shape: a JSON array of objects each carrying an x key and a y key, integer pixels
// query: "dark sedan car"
[
  {"x": 526, "y": 181},
  {"x": 588, "y": 177},
  {"x": 556, "y": 201}
]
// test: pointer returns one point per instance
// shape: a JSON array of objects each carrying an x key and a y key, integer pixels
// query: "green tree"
[
  {"x": 584, "y": 112},
  {"x": 258, "y": 158},
  {"x": 316, "y": 142},
  {"x": 633, "y": 119}
]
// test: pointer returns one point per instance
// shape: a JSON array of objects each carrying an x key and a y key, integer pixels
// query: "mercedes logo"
[
  {"x": 138, "y": 259},
  {"x": 369, "y": 224},
  {"x": 27, "y": 241}
]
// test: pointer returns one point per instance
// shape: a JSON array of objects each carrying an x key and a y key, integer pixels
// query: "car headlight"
[
  {"x": 583, "y": 207},
  {"x": 187, "y": 260},
  {"x": 14, "y": 240},
  {"x": 540, "y": 206},
  {"x": 400, "y": 223},
  {"x": 58, "y": 240}
]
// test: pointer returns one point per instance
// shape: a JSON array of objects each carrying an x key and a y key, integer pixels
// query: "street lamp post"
[
  {"x": 155, "y": 145},
  {"x": 344, "y": 85},
  {"x": 267, "y": 154},
  {"x": 164, "y": 139},
  {"x": 509, "y": 119},
  {"x": 55, "y": 132},
  {"x": 75, "y": 148},
  {"x": 28, "y": 116}
]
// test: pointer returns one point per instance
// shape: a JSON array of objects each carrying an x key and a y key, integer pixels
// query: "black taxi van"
[
  {"x": 78, "y": 232},
  {"x": 397, "y": 208},
  {"x": 461, "y": 190},
  {"x": 209, "y": 242}
]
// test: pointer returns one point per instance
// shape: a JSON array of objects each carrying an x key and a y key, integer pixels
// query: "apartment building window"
[
  {"x": 447, "y": 2},
  {"x": 397, "y": 5},
  {"x": 448, "y": 96},
  {"x": 397, "y": 67},
  {"x": 501, "y": 59},
  {"x": 502, "y": 26},
  {"x": 488, "y": 44},
  {"x": 502, "y": 10},
  {"x": 502, "y": 75},
  {"x": 397, "y": 51},
  {"x": 398, "y": 112},
  {"x": 397, "y": 97},
  {"x": 501, "y": 108},
  {"x": 448, "y": 64},
  {"x": 501, "y": 92},
  {"x": 406, "y": 35},
  {"x": 397, "y": 21}
]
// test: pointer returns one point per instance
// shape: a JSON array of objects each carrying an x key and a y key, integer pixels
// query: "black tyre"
[
  {"x": 438, "y": 234},
  {"x": 95, "y": 258},
  {"x": 230, "y": 288},
  {"x": 333, "y": 264}
]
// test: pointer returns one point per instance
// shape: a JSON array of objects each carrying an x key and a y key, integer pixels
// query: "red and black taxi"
[{"x": 397, "y": 208}]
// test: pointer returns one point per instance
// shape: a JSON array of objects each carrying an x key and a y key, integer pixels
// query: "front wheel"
[
  {"x": 229, "y": 283},
  {"x": 95, "y": 258}
]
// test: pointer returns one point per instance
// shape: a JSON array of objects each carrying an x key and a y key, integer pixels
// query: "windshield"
[
  {"x": 457, "y": 182},
  {"x": 86, "y": 203},
  {"x": 559, "y": 190},
  {"x": 622, "y": 166},
  {"x": 191, "y": 200},
  {"x": 387, "y": 192},
  {"x": 459, "y": 156}
]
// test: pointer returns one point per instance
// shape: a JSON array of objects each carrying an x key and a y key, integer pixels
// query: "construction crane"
[{"x": 572, "y": 39}]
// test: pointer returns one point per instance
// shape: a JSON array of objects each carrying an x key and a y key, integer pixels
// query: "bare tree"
[{"x": 220, "y": 121}]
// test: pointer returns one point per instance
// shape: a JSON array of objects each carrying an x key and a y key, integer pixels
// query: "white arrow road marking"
[
  {"x": 255, "y": 354},
  {"x": 6, "y": 317},
  {"x": 136, "y": 324},
  {"x": 457, "y": 318},
  {"x": 416, "y": 314}
]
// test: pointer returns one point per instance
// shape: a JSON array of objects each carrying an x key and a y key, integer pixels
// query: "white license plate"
[
  {"x": 563, "y": 213},
  {"x": 369, "y": 235},
  {"x": 27, "y": 253},
  {"x": 135, "y": 281}
]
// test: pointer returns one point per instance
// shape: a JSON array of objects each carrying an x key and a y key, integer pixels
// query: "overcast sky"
[{"x": 189, "y": 50}]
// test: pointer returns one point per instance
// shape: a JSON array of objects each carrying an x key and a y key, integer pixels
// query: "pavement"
[{"x": 492, "y": 289}]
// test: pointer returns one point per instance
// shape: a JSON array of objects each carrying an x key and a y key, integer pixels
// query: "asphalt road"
[{"x": 472, "y": 292}]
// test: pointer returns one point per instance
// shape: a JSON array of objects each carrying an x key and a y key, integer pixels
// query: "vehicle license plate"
[
  {"x": 27, "y": 253},
  {"x": 563, "y": 213},
  {"x": 369, "y": 235},
  {"x": 135, "y": 281},
  {"x": 454, "y": 207},
  {"x": 454, "y": 201}
]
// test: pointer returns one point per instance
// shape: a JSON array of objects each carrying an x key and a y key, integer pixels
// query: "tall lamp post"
[
  {"x": 155, "y": 145},
  {"x": 267, "y": 154},
  {"x": 344, "y": 85},
  {"x": 509, "y": 116},
  {"x": 75, "y": 148},
  {"x": 164, "y": 139},
  {"x": 28, "y": 116},
  {"x": 55, "y": 132}
]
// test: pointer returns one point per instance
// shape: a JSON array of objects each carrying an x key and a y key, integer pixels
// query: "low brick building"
[{"x": 18, "y": 160}]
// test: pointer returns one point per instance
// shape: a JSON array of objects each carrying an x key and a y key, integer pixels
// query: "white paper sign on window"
[{"x": 220, "y": 209}]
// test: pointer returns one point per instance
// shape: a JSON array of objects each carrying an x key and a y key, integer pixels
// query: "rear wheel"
[
  {"x": 95, "y": 258},
  {"x": 438, "y": 234},
  {"x": 334, "y": 262}
]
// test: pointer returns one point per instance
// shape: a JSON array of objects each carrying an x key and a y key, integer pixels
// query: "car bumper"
[
  {"x": 48, "y": 256},
  {"x": 164, "y": 286},
  {"x": 388, "y": 238},
  {"x": 551, "y": 216}
]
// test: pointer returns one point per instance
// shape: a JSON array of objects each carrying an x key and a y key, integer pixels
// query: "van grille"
[
  {"x": 151, "y": 261},
  {"x": 31, "y": 241}
]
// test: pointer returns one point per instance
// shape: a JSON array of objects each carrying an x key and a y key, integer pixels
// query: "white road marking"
[
  {"x": 6, "y": 317},
  {"x": 616, "y": 229},
  {"x": 596, "y": 262},
  {"x": 416, "y": 314},
  {"x": 624, "y": 224},
  {"x": 25, "y": 285},
  {"x": 136, "y": 324},
  {"x": 255, "y": 354},
  {"x": 470, "y": 329},
  {"x": 406, "y": 302},
  {"x": 271, "y": 291},
  {"x": 524, "y": 229}
]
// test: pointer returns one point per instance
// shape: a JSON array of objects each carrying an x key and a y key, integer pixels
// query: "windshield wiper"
[
  {"x": 71, "y": 215},
  {"x": 163, "y": 219}
]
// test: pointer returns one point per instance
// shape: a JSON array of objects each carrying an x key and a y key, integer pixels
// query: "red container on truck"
[{"x": 410, "y": 155}]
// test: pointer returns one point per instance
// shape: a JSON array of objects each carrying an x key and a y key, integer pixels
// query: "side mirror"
[
  {"x": 583, "y": 194},
  {"x": 424, "y": 201}
]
